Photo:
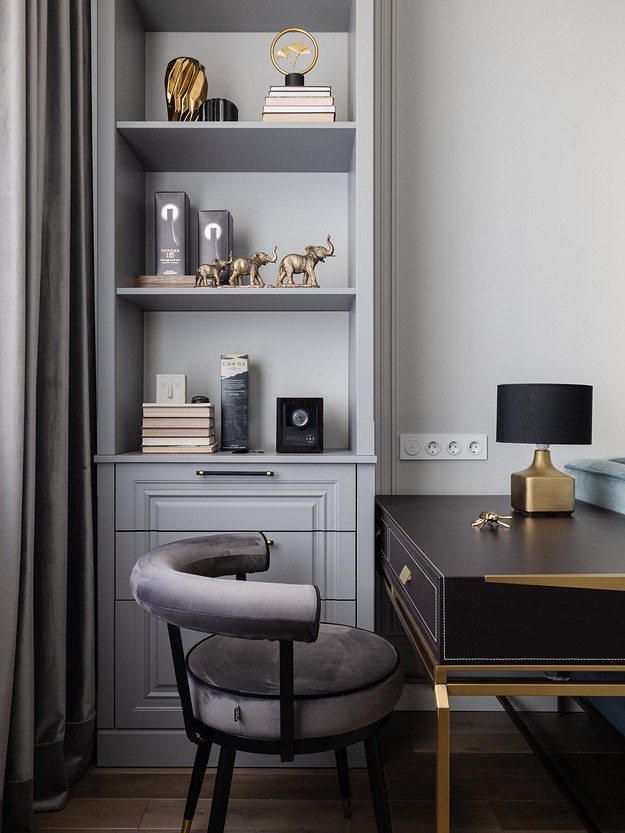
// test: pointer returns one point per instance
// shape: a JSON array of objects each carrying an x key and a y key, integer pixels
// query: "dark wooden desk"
[{"x": 488, "y": 610}]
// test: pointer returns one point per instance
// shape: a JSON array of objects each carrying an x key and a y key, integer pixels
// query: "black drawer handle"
[{"x": 204, "y": 473}]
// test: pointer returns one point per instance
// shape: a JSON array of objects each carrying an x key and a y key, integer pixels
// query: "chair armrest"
[{"x": 171, "y": 583}]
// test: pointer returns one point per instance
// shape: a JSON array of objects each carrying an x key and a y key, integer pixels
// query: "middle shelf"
[{"x": 262, "y": 299}]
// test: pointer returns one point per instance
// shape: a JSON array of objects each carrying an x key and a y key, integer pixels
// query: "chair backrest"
[{"x": 179, "y": 583}]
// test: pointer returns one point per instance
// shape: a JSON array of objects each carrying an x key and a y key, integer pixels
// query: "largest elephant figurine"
[{"x": 304, "y": 265}]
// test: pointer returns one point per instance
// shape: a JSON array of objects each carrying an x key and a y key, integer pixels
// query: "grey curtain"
[{"x": 47, "y": 654}]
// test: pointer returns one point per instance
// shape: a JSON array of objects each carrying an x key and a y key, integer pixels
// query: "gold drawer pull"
[
  {"x": 405, "y": 576},
  {"x": 270, "y": 542}
]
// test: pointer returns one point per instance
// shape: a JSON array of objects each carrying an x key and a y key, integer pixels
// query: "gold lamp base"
[{"x": 541, "y": 489}]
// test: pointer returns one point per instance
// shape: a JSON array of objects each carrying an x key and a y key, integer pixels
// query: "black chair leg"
[
  {"x": 195, "y": 786},
  {"x": 343, "y": 772},
  {"x": 379, "y": 796},
  {"x": 221, "y": 790}
]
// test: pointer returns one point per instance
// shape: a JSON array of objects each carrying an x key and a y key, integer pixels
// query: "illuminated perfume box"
[
  {"x": 215, "y": 239},
  {"x": 171, "y": 233}
]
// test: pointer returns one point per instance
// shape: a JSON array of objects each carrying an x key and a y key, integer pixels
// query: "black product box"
[
  {"x": 234, "y": 402},
  {"x": 215, "y": 239},
  {"x": 171, "y": 233}
]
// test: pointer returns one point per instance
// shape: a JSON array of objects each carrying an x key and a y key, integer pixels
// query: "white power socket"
[{"x": 443, "y": 447}]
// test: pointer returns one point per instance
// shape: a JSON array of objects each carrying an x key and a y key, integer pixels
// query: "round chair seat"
[{"x": 347, "y": 679}]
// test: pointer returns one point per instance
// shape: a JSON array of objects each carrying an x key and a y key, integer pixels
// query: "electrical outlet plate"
[{"x": 443, "y": 447}]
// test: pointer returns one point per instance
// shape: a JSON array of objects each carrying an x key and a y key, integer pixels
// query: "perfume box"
[
  {"x": 234, "y": 401},
  {"x": 215, "y": 239},
  {"x": 171, "y": 233}
]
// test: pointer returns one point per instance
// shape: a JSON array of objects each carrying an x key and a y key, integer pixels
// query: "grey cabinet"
[
  {"x": 306, "y": 512},
  {"x": 288, "y": 185}
]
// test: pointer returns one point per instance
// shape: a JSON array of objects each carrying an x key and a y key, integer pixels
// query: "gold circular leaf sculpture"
[
  {"x": 293, "y": 52},
  {"x": 186, "y": 89}
]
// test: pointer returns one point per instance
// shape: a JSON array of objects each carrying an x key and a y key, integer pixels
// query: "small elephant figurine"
[
  {"x": 304, "y": 265},
  {"x": 250, "y": 266},
  {"x": 208, "y": 273}
]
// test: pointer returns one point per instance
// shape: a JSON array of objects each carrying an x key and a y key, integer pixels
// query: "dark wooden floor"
[{"x": 497, "y": 785}]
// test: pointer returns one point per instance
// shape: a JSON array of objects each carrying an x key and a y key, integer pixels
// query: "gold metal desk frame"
[{"x": 447, "y": 681}]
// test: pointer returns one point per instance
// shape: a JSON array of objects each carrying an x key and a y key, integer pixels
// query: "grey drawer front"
[
  {"x": 295, "y": 497},
  {"x": 327, "y": 559}
]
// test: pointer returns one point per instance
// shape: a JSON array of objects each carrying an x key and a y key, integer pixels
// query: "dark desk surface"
[
  {"x": 590, "y": 541},
  {"x": 524, "y": 594}
]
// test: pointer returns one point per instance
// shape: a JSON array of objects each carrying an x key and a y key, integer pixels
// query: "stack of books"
[
  {"x": 178, "y": 429},
  {"x": 299, "y": 104}
]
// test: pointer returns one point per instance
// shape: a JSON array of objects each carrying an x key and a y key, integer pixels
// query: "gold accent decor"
[
  {"x": 304, "y": 265},
  {"x": 250, "y": 266},
  {"x": 443, "y": 749},
  {"x": 541, "y": 489},
  {"x": 292, "y": 52},
  {"x": 186, "y": 826},
  {"x": 586, "y": 581},
  {"x": 186, "y": 89},
  {"x": 405, "y": 576},
  {"x": 490, "y": 519},
  {"x": 209, "y": 274}
]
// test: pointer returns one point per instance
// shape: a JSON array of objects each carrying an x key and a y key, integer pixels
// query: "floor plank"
[{"x": 496, "y": 785}]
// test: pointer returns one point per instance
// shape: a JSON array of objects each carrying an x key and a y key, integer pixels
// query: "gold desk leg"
[{"x": 442, "y": 758}]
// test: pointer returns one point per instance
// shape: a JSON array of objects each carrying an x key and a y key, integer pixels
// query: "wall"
[{"x": 506, "y": 232}]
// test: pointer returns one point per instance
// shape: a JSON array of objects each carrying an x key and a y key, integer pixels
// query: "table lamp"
[{"x": 544, "y": 414}]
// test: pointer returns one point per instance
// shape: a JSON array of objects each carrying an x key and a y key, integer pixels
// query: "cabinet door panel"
[
  {"x": 327, "y": 559},
  {"x": 145, "y": 686},
  {"x": 339, "y": 612},
  {"x": 175, "y": 497},
  {"x": 146, "y": 696}
]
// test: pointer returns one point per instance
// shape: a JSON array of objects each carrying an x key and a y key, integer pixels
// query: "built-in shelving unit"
[{"x": 286, "y": 185}]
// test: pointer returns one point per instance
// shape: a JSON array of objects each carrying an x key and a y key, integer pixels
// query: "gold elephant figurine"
[
  {"x": 304, "y": 265},
  {"x": 250, "y": 266},
  {"x": 208, "y": 274}
]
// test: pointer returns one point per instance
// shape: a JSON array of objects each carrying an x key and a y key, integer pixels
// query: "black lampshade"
[{"x": 544, "y": 414}]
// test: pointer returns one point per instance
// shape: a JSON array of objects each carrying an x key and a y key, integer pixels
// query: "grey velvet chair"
[{"x": 269, "y": 678}]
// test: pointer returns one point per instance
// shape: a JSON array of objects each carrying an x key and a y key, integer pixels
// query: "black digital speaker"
[{"x": 299, "y": 424}]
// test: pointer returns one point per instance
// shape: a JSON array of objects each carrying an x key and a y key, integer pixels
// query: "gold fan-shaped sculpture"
[
  {"x": 186, "y": 89},
  {"x": 291, "y": 52}
]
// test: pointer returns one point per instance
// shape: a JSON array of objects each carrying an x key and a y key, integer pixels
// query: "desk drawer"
[
  {"x": 178, "y": 497},
  {"x": 418, "y": 588}
]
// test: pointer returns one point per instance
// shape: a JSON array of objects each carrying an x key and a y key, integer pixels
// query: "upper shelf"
[
  {"x": 243, "y": 16},
  {"x": 241, "y": 146},
  {"x": 244, "y": 299}
]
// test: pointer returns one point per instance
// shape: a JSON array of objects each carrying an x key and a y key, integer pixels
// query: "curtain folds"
[{"x": 47, "y": 639}]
